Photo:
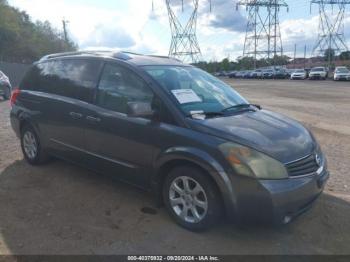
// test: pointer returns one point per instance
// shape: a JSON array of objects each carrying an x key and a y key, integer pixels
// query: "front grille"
[{"x": 305, "y": 166}]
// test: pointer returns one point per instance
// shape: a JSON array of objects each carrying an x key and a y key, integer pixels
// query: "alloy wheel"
[
  {"x": 188, "y": 199},
  {"x": 30, "y": 145}
]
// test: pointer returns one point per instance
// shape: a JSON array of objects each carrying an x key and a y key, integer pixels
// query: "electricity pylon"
[
  {"x": 331, "y": 36},
  {"x": 263, "y": 34},
  {"x": 184, "y": 44}
]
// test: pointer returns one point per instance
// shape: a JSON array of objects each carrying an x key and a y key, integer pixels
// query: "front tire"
[
  {"x": 191, "y": 198},
  {"x": 31, "y": 146}
]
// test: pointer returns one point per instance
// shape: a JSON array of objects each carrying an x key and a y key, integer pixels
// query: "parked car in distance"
[
  {"x": 280, "y": 73},
  {"x": 5, "y": 86},
  {"x": 268, "y": 74},
  {"x": 341, "y": 73},
  {"x": 232, "y": 74},
  {"x": 219, "y": 74},
  {"x": 171, "y": 128},
  {"x": 257, "y": 74},
  {"x": 240, "y": 74},
  {"x": 318, "y": 73},
  {"x": 298, "y": 74},
  {"x": 247, "y": 74},
  {"x": 289, "y": 72}
]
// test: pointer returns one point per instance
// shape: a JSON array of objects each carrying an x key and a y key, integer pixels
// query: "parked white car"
[
  {"x": 341, "y": 73},
  {"x": 257, "y": 73},
  {"x": 318, "y": 73},
  {"x": 298, "y": 74},
  {"x": 5, "y": 86}
]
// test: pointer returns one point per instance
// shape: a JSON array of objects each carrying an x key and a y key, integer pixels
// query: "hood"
[{"x": 273, "y": 134}]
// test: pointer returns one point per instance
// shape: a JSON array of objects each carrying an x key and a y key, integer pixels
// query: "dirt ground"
[{"x": 63, "y": 209}]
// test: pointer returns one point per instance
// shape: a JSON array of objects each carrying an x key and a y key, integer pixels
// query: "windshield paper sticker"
[{"x": 185, "y": 96}]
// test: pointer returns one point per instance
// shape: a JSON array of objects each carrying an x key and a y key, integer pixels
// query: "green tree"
[
  {"x": 24, "y": 41},
  {"x": 345, "y": 55},
  {"x": 225, "y": 64}
]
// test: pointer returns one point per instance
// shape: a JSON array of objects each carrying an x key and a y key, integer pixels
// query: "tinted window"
[
  {"x": 70, "y": 78},
  {"x": 31, "y": 80},
  {"x": 118, "y": 86}
]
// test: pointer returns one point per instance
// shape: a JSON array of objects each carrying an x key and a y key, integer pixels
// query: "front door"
[{"x": 121, "y": 145}]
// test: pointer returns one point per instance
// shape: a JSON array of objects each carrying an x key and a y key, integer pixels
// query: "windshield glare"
[
  {"x": 300, "y": 71},
  {"x": 195, "y": 90}
]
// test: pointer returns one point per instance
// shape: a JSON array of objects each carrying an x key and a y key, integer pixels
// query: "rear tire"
[
  {"x": 32, "y": 148},
  {"x": 191, "y": 198}
]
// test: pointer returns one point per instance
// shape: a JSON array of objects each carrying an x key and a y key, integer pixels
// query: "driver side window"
[{"x": 119, "y": 86}]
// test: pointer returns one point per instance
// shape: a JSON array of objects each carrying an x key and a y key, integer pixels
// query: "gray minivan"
[{"x": 170, "y": 128}]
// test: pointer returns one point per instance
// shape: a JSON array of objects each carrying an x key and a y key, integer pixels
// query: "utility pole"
[
  {"x": 331, "y": 28},
  {"x": 64, "y": 23},
  {"x": 304, "y": 56},
  {"x": 263, "y": 35},
  {"x": 295, "y": 54}
]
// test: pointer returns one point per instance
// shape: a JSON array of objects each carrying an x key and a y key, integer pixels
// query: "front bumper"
[
  {"x": 318, "y": 76},
  {"x": 279, "y": 201},
  {"x": 301, "y": 77},
  {"x": 344, "y": 78}
]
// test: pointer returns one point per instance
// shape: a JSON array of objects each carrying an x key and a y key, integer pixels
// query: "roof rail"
[
  {"x": 119, "y": 55},
  {"x": 167, "y": 57},
  {"x": 123, "y": 55}
]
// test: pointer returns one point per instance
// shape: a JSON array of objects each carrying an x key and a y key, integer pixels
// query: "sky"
[{"x": 132, "y": 25}]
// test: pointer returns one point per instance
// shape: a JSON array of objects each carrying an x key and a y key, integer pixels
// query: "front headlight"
[{"x": 248, "y": 162}]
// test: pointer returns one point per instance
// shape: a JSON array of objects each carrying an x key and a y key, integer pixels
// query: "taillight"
[{"x": 14, "y": 96}]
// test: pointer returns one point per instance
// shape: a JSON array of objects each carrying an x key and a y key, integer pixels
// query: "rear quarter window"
[
  {"x": 73, "y": 78},
  {"x": 31, "y": 80}
]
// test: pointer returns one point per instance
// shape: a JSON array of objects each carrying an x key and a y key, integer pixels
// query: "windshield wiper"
[
  {"x": 239, "y": 106},
  {"x": 206, "y": 114}
]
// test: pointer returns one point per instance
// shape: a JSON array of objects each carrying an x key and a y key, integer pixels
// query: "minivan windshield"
[{"x": 195, "y": 90}]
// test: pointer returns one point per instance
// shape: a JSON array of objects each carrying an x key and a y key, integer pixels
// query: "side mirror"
[{"x": 140, "y": 109}]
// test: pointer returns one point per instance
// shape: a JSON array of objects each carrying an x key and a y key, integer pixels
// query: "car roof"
[{"x": 132, "y": 58}]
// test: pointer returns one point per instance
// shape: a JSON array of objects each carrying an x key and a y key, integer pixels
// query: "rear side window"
[{"x": 74, "y": 78}]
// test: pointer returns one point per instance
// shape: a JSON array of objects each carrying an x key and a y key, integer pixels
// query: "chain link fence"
[{"x": 15, "y": 72}]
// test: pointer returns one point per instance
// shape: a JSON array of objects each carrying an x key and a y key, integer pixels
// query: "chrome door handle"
[
  {"x": 75, "y": 115},
  {"x": 93, "y": 119}
]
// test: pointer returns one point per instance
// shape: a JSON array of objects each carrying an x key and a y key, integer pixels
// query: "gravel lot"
[{"x": 63, "y": 209}]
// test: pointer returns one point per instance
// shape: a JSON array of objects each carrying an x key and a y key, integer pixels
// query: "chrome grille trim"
[{"x": 304, "y": 166}]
